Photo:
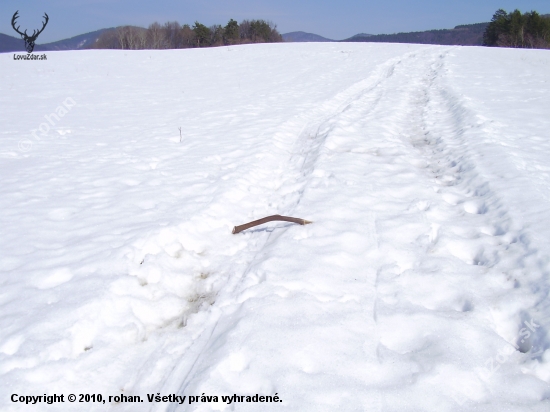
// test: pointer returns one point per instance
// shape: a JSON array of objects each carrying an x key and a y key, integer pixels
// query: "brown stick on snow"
[{"x": 240, "y": 228}]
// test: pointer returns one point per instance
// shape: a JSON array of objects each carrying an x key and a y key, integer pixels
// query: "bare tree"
[
  {"x": 121, "y": 37},
  {"x": 129, "y": 37},
  {"x": 187, "y": 36},
  {"x": 132, "y": 37},
  {"x": 156, "y": 36},
  {"x": 142, "y": 39},
  {"x": 172, "y": 35}
]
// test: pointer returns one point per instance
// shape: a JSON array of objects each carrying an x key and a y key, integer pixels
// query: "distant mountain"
[
  {"x": 361, "y": 35},
  {"x": 464, "y": 35},
  {"x": 11, "y": 44},
  {"x": 82, "y": 41},
  {"x": 301, "y": 36}
]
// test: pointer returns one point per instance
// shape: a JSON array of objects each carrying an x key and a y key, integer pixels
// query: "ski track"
[{"x": 398, "y": 147}]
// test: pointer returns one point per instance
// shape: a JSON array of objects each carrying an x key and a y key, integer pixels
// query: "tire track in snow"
[
  {"x": 473, "y": 230},
  {"x": 350, "y": 112},
  {"x": 393, "y": 110},
  {"x": 317, "y": 125},
  {"x": 362, "y": 108},
  {"x": 433, "y": 251},
  {"x": 289, "y": 181},
  {"x": 497, "y": 242}
]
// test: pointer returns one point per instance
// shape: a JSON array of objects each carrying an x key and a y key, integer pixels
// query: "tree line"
[
  {"x": 172, "y": 35},
  {"x": 528, "y": 30}
]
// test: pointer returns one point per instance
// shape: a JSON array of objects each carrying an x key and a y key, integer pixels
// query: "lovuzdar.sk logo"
[{"x": 29, "y": 40}]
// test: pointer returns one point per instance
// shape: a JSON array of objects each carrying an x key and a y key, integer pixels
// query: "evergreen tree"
[
  {"x": 518, "y": 30},
  {"x": 537, "y": 30},
  {"x": 498, "y": 25},
  {"x": 259, "y": 31},
  {"x": 231, "y": 32},
  {"x": 202, "y": 34},
  {"x": 216, "y": 35}
]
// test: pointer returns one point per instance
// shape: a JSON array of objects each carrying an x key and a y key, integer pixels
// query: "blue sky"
[{"x": 332, "y": 19}]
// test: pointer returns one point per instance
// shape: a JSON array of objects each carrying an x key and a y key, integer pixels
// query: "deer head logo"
[{"x": 29, "y": 40}]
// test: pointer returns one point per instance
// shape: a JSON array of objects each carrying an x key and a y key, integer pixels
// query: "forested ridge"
[{"x": 172, "y": 35}]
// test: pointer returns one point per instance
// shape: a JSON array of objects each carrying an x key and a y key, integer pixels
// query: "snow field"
[{"x": 409, "y": 292}]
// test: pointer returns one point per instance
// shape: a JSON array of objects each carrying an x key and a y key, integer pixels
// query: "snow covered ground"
[{"x": 422, "y": 284}]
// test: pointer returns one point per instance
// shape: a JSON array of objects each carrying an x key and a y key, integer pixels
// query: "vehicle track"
[
  {"x": 473, "y": 230},
  {"x": 403, "y": 128},
  {"x": 297, "y": 155}
]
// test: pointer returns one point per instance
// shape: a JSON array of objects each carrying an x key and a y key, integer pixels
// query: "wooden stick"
[{"x": 240, "y": 228}]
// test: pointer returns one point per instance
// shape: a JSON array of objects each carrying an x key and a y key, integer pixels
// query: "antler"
[
  {"x": 29, "y": 40},
  {"x": 34, "y": 32},
  {"x": 13, "y": 19},
  {"x": 240, "y": 228},
  {"x": 43, "y": 26}
]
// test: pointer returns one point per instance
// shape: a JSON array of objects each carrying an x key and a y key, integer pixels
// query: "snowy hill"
[{"x": 422, "y": 284}]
